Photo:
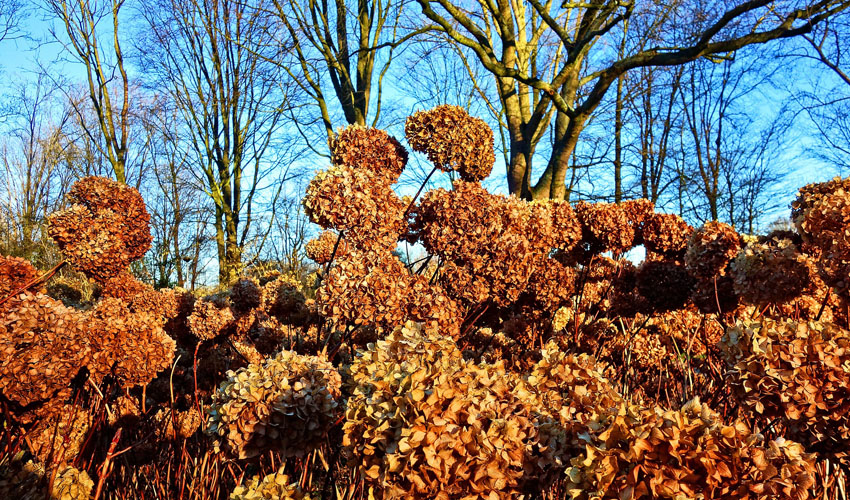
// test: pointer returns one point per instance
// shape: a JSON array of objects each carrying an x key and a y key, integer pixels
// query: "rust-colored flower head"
[
  {"x": 105, "y": 230},
  {"x": 605, "y": 227},
  {"x": 208, "y": 320},
  {"x": 453, "y": 140},
  {"x": 809, "y": 196},
  {"x": 321, "y": 249},
  {"x": 369, "y": 149},
  {"x": 287, "y": 403},
  {"x": 16, "y": 272},
  {"x": 360, "y": 204},
  {"x": 710, "y": 250},
  {"x": 284, "y": 299},
  {"x": 666, "y": 234},
  {"x": 637, "y": 213},
  {"x": 133, "y": 346},
  {"x": 59, "y": 438},
  {"x": 124, "y": 286},
  {"x": 43, "y": 345}
]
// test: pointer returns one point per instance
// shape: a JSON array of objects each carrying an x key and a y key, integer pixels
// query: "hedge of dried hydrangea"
[{"x": 288, "y": 404}]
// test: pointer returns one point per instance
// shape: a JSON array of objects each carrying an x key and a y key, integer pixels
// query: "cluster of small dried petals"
[
  {"x": 774, "y": 272},
  {"x": 453, "y": 140},
  {"x": 274, "y": 486},
  {"x": 105, "y": 230},
  {"x": 809, "y": 196},
  {"x": 422, "y": 422},
  {"x": 638, "y": 213},
  {"x": 43, "y": 345},
  {"x": 245, "y": 295},
  {"x": 715, "y": 295},
  {"x": 287, "y": 403},
  {"x": 551, "y": 285},
  {"x": 133, "y": 346},
  {"x": 686, "y": 453},
  {"x": 208, "y": 320},
  {"x": 369, "y": 149},
  {"x": 822, "y": 215},
  {"x": 605, "y": 227},
  {"x": 795, "y": 372},
  {"x": 377, "y": 290},
  {"x": 124, "y": 286},
  {"x": 15, "y": 273},
  {"x": 666, "y": 234},
  {"x": 176, "y": 424},
  {"x": 321, "y": 249},
  {"x": 358, "y": 203},
  {"x": 710, "y": 250}
]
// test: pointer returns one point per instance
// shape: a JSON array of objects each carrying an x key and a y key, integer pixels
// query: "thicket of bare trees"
[{"x": 216, "y": 108}]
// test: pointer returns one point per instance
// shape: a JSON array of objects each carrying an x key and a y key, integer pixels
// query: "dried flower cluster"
[
  {"x": 14, "y": 274},
  {"x": 369, "y": 149},
  {"x": 666, "y": 234},
  {"x": 105, "y": 229},
  {"x": 453, "y": 140},
  {"x": 772, "y": 272},
  {"x": 287, "y": 403}
]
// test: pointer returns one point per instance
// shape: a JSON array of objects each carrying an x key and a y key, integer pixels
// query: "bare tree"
[
  {"x": 98, "y": 49},
  {"x": 215, "y": 59},
  {"x": 12, "y": 15},
  {"x": 549, "y": 56}
]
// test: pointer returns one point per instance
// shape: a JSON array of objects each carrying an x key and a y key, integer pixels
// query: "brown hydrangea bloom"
[
  {"x": 208, "y": 320},
  {"x": 795, "y": 372},
  {"x": 16, "y": 272},
  {"x": 274, "y": 486},
  {"x": 43, "y": 345},
  {"x": 714, "y": 292},
  {"x": 552, "y": 284},
  {"x": 767, "y": 273},
  {"x": 453, "y": 140},
  {"x": 666, "y": 285},
  {"x": 284, "y": 299},
  {"x": 687, "y": 453},
  {"x": 666, "y": 234},
  {"x": 710, "y": 249},
  {"x": 179, "y": 424},
  {"x": 321, "y": 249},
  {"x": 130, "y": 345},
  {"x": 287, "y": 404},
  {"x": 124, "y": 286},
  {"x": 106, "y": 229},
  {"x": 823, "y": 225},
  {"x": 637, "y": 213},
  {"x": 357, "y": 203},
  {"x": 245, "y": 295},
  {"x": 809, "y": 196},
  {"x": 421, "y": 421},
  {"x": 605, "y": 227},
  {"x": 369, "y": 149}
]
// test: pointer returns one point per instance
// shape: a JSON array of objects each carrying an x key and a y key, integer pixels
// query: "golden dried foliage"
[
  {"x": 274, "y": 486},
  {"x": 687, "y": 453},
  {"x": 710, "y": 250},
  {"x": 796, "y": 372}
]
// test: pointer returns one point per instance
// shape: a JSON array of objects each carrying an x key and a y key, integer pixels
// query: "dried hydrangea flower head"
[
  {"x": 666, "y": 234},
  {"x": 772, "y": 273},
  {"x": 209, "y": 320},
  {"x": 15, "y": 273},
  {"x": 795, "y": 372},
  {"x": 321, "y": 248},
  {"x": 72, "y": 484},
  {"x": 422, "y": 422},
  {"x": 287, "y": 403},
  {"x": 667, "y": 285},
  {"x": 245, "y": 295},
  {"x": 605, "y": 227},
  {"x": 686, "y": 453},
  {"x": 105, "y": 229},
  {"x": 453, "y": 140},
  {"x": 369, "y": 149},
  {"x": 274, "y": 486},
  {"x": 710, "y": 250},
  {"x": 358, "y": 203},
  {"x": 43, "y": 345}
]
